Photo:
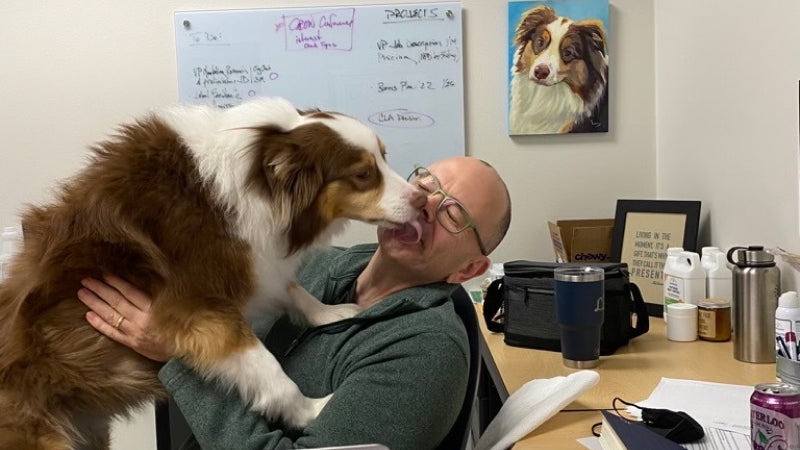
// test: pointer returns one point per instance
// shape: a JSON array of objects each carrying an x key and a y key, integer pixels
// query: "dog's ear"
[
  {"x": 593, "y": 33},
  {"x": 531, "y": 20},
  {"x": 292, "y": 175},
  {"x": 284, "y": 171},
  {"x": 593, "y": 37}
]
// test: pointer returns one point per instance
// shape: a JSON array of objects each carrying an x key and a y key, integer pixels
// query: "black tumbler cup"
[{"x": 579, "y": 296}]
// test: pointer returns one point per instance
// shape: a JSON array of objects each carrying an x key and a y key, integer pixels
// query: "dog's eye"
[
  {"x": 364, "y": 174},
  {"x": 539, "y": 44},
  {"x": 568, "y": 54}
]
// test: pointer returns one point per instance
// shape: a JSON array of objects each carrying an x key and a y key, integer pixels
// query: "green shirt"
[{"x": 398, "y": 370}]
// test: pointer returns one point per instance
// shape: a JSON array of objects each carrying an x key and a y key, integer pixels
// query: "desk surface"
[{"x": 631, "y": 373}]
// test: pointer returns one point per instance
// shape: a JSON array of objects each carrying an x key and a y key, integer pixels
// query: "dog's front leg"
[
  {"x": 232, "y": 353},
  {"x": 305, "y": 308}
]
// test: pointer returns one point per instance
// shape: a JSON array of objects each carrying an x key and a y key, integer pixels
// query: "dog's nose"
[{"x": 541, "y": 72}]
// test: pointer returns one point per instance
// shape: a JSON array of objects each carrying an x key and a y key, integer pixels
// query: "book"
[{"x": 620, "y": 434}]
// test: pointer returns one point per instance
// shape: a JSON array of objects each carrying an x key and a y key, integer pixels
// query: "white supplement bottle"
[
  {"x": 719, "y": 279},
  {"x": 686, "y": 282},
  {"x": 669, "y": 271},
  {"x": 708, "y": 261}
]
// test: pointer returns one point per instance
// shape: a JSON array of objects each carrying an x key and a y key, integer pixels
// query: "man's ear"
[{"x": 469, "y": 270}]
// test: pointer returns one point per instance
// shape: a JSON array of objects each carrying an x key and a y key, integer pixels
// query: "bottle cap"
[
  {"x": 753, "y": 256},
  {"x": 788, "y": 300},
  {"x": 674, "y": 251},
  {"x": 708, "y": 251},
  {"x": 682, "y": 310},
  {"x": 579, "y": 274},
  {"x": 714, "y": 303}
]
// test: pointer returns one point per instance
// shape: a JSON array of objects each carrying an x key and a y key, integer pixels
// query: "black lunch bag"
[{"x": 528, "y": 317}]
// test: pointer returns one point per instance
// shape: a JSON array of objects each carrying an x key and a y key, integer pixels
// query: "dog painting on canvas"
[{"x": 558, "y": 80}]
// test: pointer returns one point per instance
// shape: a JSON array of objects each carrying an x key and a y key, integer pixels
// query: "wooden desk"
[{"x": 631, "y": 373}]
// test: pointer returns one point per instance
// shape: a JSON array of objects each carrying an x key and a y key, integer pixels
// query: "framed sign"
[{"x": 643, "y": 231}]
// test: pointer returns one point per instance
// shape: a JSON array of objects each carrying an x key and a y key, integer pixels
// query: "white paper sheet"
[
  {"x": 591, "y": 442},
  {"x": 722, "y": 409},
  {"x": 716, "y": 439},
  {"x": 717, "y": 405}
]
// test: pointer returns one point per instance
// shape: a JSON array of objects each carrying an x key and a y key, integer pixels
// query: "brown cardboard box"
[{"x": 581, "y": 240}]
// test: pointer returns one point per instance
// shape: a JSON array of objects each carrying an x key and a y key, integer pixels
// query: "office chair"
[
  {"x": 458, "y": 436},
  {"x": 172, "y": 430}
]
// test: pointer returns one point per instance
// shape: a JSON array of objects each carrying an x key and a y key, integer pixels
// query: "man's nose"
[
  {"x": 418, "y": 199},
  {"x": 429, "y": 208}
]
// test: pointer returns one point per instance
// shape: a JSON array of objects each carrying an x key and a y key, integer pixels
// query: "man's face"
[{"x": 438, "y": 252}]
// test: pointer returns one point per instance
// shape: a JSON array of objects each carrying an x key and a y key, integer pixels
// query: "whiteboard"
[{"x": 398, "y": 68}]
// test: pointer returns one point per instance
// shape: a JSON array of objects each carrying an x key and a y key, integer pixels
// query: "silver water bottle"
[{"x": 756, "y": 287}]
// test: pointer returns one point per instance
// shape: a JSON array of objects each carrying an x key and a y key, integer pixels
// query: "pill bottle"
[
  {"x": 714, "y": 319},
  {"x": 682, "y": 322}
]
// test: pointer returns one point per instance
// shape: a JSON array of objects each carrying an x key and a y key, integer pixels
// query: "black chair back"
[{"x": 458, "y": 436}]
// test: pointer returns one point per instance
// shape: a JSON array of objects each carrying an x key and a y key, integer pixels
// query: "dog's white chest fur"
[{"x": 542, "y": 109}]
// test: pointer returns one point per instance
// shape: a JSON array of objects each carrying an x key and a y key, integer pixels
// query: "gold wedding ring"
[{"x": 119, "y": 322}]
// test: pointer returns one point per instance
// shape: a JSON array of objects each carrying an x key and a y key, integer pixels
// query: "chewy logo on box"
[{"x": 581, "y": 240}]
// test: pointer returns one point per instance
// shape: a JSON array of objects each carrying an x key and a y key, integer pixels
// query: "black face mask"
[{"x": 676, "y": 426}]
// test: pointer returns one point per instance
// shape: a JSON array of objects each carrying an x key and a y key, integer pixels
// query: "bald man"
[{"x": 398, "y": 370}]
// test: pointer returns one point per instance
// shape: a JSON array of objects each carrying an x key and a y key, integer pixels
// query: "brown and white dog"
[
  {"x": 209, "y": 212},
  {"x": 560, "y": 72}
]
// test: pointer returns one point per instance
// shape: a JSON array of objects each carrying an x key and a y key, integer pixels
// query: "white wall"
[
  {"x": 727, "y": 117},
  {"x": 75, "y": 69}
]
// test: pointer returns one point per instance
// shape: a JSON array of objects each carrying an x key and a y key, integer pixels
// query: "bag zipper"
[{"x": 524, "y": 269}]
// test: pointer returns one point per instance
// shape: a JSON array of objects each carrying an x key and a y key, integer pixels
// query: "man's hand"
[{"x": 122, "y": 312}]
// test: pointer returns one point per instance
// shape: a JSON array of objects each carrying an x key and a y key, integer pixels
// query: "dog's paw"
[
  {"x": 326, "y": 314},
  {"x": 306, "y": 412}
]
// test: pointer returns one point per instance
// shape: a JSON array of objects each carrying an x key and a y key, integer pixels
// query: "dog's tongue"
[{"x": 409, "y": 232}]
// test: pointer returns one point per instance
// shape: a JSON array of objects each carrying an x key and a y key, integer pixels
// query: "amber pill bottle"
[{"x": 714, "y": 319}]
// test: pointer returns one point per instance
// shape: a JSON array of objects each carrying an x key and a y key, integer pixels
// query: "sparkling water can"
[{"x": 775, "y": 417}]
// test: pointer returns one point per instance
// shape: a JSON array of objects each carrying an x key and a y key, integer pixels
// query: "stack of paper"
[{"x": 722, "y": 409}]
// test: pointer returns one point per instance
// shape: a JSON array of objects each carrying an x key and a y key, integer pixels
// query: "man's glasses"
[{"x": 450, "y": 213}]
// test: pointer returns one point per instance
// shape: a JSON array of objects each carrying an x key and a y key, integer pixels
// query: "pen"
[{"x": 782, "y": 346}]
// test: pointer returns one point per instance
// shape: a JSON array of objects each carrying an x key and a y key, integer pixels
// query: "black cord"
[
  {"x": 614, "y": 405},
  {"x": 596, "y": 433},
  {"x": 587, "y": 410}
]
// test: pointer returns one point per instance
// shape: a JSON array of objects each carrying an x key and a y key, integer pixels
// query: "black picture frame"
[{"x": 646, "y": 270}]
